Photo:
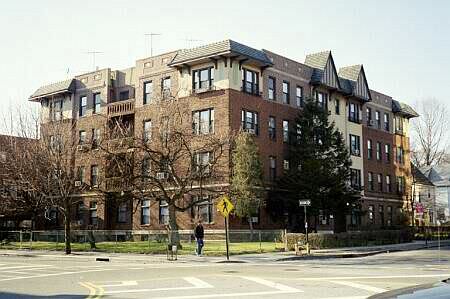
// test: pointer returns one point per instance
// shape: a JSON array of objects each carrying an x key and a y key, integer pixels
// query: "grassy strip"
[{"x": 213, "y": 248}]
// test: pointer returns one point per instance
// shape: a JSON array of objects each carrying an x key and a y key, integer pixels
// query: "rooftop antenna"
[
  {"x": 93, "y": 53},
  {"x": 190, "y": 40},
  {"x": 151, "y": 35}
]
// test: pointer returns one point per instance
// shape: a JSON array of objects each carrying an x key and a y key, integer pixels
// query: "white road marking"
[
  {"x": 236, "y": 295},
  {"x": 136, "y": 268},
  {"x": 195, "y": 284},
  {"x": 372, "y": 277},
  {"x": 54, "y": 274},
  {"x": 22, "y": 267},
  {"x": 278, "y": 286},
  {"x": 124, "y": 283},
  {"x": 360, "y": 286}
]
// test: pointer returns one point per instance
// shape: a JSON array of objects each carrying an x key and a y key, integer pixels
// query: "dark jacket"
[{"x": 199, "y": 232}]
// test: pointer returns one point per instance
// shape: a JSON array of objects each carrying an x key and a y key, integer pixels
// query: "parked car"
[{"x": 439, "y": 290}]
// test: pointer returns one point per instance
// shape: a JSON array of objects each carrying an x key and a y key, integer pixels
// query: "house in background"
[
  {"x": 424, "y": 198},
  {"x": 439, "y": 175}
]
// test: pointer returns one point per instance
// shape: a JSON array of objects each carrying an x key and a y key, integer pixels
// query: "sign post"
[
  {"x": 225, "y": 206},
  {"x": 305, "y": 203}
]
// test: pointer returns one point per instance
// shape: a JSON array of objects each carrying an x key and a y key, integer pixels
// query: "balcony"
[
  {"x": 121, "y": 144},
  {"x": 121, "y": 108},
  {"x": 117, "y": 184}
]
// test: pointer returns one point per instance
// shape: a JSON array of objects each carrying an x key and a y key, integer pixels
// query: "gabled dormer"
[
  {"x": 324, "y": 72},
  {"x": 356, "y": 81}
]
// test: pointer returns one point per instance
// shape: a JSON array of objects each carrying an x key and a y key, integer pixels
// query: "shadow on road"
[{"x": 23, "y": 296}]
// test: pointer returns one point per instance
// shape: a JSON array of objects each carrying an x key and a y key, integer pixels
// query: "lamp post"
[{"x": 305, "y": 203}]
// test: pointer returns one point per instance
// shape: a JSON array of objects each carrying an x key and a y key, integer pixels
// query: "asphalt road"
[{"x": 81, "y": 277}]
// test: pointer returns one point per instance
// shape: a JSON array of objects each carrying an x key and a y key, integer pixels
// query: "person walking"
[{"x": 199, "y": 233}]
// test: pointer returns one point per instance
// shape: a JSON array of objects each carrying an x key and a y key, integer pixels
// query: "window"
[
  {"x": 381, "y": 212},
  {"x": 380, "y": 182},
  {"x": 147, "y": 130},
  {"x": 378, "y": 119},
  {"x": 146, "y": 168},
  {"x": 398, "y": 124},
  {"x": 286, "y": 164},
  {"x": 80, "y": 211},
  {"x": 203, "y": 79},
  {"x": 285, "y": 131},
  {"x": 337, "y": 105},
  {"x": 94, "y": 175},
  {"x": 400, "y": 184},
  {"x": 97, "y": 102},
  {"x": 271, "y": 88},
  {"x": 165, "y": 88},
  {"x": 81, "y": 174},
  {"x": 387, "y": 151},
  {"x": 124, "y": 95},
  {"x": 369, "y": 149},
  {"x": 388, "y": 183},
  {"x": 322, "y": 99},
  {"x": 203, "y": 209},
  {"x": 56, "y": 109},
  {"x": 371, "y": 215},
  {"x": 122, "y": 213},
  {"x": 250, "y": 122},
  {"x": 250, "y": 80},
  {"x": 386, "y": 122},
  {"x": 164, "y": 129},
  {"x": 369, "y": 116},
  {"x": 95, "y": 138},
  {"x": 203, "y": 122},
  {"x": 148, "y": 92},
  {"x": 145, "y": 212},
  {"x": 83, "y": 105},
  {"x": 93, "y": 220},
  {"x": 286, "y": 87},
  {"x": 298, "y": 132},
  {"x": 202, "y": 163},
  {"x": 163, "y": 212},
  {"x": 379, "y": 151},
  {"x": 390, "y": 215},
  {"x": 272, "y": 168},
  {"x": 355, "y": 178},
  {"x": 370, "y": 180},
  {"x": 355, "y": 145},
  {"x": 400, "y": 159},
  {"x": 299, "y": 96},
  {"x": 82, "y": 137},
  {"x": 353, "y": 113},
  {"x": 272, "y": 128}
]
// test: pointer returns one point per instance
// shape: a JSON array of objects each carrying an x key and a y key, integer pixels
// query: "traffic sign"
[
  {"x": 225, "y": 206},
  {"x": 304, "y": 202}
]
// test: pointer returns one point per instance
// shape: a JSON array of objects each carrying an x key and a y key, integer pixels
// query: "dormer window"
[
  {"x": 250, "y": 81},
  {"x": 203, "y": 78}
]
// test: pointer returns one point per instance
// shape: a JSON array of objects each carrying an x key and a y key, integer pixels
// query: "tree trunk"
[
  {"x": 173, "y": 235},
  {"x": 250, "y": 224},
  {"x": 67, "y": 239}
]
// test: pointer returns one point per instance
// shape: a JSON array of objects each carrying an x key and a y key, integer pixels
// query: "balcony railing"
[
  {"x": 121, "y": 108},
  {"x": 121, "y": 144},
  {"x": 117, "y": 184}
]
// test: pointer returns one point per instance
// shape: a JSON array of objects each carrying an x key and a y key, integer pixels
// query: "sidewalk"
[{"x": 348, "y": 252}]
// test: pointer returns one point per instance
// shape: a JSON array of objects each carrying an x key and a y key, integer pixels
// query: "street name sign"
[{"x": 304, "y": 202}]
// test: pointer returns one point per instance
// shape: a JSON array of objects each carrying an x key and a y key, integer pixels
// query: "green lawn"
[{"x": 212, "y": 248}]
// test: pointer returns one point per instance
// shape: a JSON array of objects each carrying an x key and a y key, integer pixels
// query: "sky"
[{"x": 403, "y": 45}]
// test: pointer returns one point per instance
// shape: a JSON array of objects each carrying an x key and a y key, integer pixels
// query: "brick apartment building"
[{"x": 235, "y": 86}]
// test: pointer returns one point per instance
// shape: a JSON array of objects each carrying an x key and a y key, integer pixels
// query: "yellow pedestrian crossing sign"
[{"x": 225, "y": 206}]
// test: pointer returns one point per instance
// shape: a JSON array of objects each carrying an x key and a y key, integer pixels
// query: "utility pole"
[
  {"x": 151, "y": 35},
  {"x": 93, "y": 53}
]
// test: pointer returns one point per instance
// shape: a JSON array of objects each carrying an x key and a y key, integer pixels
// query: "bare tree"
[
  {"x": 430, "y": 133},
  {"x": 176, "y": 159}
]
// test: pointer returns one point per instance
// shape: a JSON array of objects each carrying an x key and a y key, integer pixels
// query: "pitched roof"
[
  {"x": 419, "y": 177},
  {"x": 318, "y": 60},
  {"x": 54, "y": 88},
  {"x": 350, "y": 72},
  {"x": 220, "y": 48},
  {"x": 321, "y": 72},
  {"x": 404, "y": 109}
]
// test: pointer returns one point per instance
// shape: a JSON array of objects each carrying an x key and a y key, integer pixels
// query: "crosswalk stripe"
[{"x": 359, "y": 286}]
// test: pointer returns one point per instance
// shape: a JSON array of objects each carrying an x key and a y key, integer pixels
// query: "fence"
[{"x": 150, "y": 242}]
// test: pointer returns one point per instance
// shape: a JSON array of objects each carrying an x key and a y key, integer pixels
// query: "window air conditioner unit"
[
  {"x": 370, "y": 122},
  {"x": 161, "y": 175},
  {"x": 251, "y": 131},
  {"x": 77, "y": 183}
]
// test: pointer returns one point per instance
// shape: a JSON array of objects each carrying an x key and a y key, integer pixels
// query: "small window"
[
  {"x": 400, "y": 159},
  {"x": 148, "y": 91},
  {"x": 322, "y": 100},
  {"x": 299, "y": 96},
  {"x": 203, "y": 122},
  {"x": 380, "y": 182},
  {"x": 355, "y": 178},
  {"x": 250, "y": 81},
  {"x": 369, "y": 149},
  {"x": 95, "y": 138},
  {"x": 203, "y": 209},
  {"x": 203, "y": 78},
  {"x": 272, "y": 128},
  {"x": 97, "y": 102},
  {"x": 286, "y": 92},
  {"x": 83, "y": 106},
  {"x": 122, "y": 213},
  {"x": 147, "y": 130},
  {"x": 369, "y": 116},
  {"x": 81, "y": 174},
  {"x": 166, "y": 88},
  {"x": 94, "y": 175},
  {"x": 355, "y": 145},
  {"x": 353, "y": 113},
  {"x": 285, "y": 131},
  {"x": 386, "y": 122},
  {"x": 387, "y": 151},
  {"x": 286, "y": 165},
  {"x": 249, "y": 122},
  {"x": 93, "y": 218},
  {"x": 272, "y": 168},
  {"x": 378, "y": 119},
  {"x": 378, "y": 151},
  {"x": 163, "y": 212},
  {"x": 371, "y": 209},
  {"x": 82, "y": 137},
  {"x": 145, "y": 212},
  {"x": 202, "y": 163},
  {"x": 388, "y": 183},
  {"x": 370, "y": 181},
  {"x": 337, "y": 105},
  {"x": 271, "y": 88}
]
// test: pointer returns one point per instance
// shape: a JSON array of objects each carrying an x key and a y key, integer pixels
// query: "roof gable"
[
  {"x": 53, "y": 89},
  {"x": 357, "y": 77},
  {"x": 324, "y": 69}
]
